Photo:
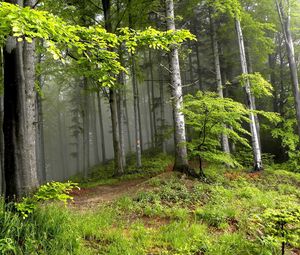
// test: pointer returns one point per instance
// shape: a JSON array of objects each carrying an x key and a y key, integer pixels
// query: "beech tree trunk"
[
  {"x": 101, "y": 128},
  {"x": 40, "y": 147},
  {"x": 119, "y": 168},
  {"x": 19, "y": 124},
  {"x": 162, "y": 105},
  {"x": 224, "y": 137},
  {"x": 138, "y": 150},
  {"x": 285, "y": 20},
  {"x": 181, "y": 160},
  {"x": 94, "y": 129},
  {"x": 254, "y": 136},
  {"x": 2, "y": 177},
  {"x": 153, "y": 104}
]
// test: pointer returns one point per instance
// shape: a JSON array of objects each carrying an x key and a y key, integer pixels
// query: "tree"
[
  {"x": 285, "y": 20},
  {"x": 209, "y": 115},
  {"x": 19, "y": 116},
  {"x": 181, "y": 160}
]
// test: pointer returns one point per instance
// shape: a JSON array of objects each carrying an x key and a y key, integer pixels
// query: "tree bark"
[
  {"x": 19, "y": 124},
  {"x": 224, "y": 137},
  {"x": 181, "y": 160},
  {"x": 162, "y": 105},
  {"x": 40, "y": 146},
  {"x": 254, "y": 136},
  {"x": 94, "y": 129},
  {"x": 153, "y": 110},
  {"x": 285, "y": 20},
  {"x": 2, "y": 177},
  {"x": 136, "y": 115},
  {"x": 101, "y": 128},
  {"x": 119, "y": 168}
]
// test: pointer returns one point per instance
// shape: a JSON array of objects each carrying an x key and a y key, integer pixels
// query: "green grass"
[{"x": 171, "y": 215}]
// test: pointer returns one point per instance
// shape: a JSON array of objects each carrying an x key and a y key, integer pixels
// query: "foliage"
[
  {"x": 259, "y": 86},
  {"x": 53, "y": 191},
  {"x": 209, "y": 116},
  {"x": 289, "y": 141},
  {"x": 89, "y": 45},
  {"x": 281, "y": 225}
]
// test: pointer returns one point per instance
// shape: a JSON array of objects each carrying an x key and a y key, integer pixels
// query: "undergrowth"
[{"x": 235, "y": 213}]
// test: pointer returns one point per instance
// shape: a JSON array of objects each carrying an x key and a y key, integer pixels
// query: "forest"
[{"x": 156, "y": 127}]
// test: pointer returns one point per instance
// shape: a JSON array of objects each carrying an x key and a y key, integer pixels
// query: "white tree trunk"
[
  {"x": 224, "y": 138},
  {"x": 285, "y": 20},
  {"x": 254, "y": 136},
  {"x": 181, "y": 160}
]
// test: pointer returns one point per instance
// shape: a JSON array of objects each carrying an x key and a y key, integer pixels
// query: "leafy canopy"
[{"x": 91, "y": 46}]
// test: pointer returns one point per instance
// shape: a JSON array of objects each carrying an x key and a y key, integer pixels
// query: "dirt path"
[{"x": 87, "y": 198}]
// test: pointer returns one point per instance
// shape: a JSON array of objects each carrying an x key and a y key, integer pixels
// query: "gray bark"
[
  {"x": 224, "y": 137},
  {"x": 19, "y": 124},
  {"x": 101, "y": 128},
  {"x": 181, "y": 160},
  {"x": 285, "y": 20},
  {"x": 162, "y": 106},
  {"x": 2, "y": 177},
  {"x": 254, "y": 137},
  {"x": 94, "y": 129},
  {"x": 153, "y": 104},
  {"x": 40, "y": 147},
  {"x": 137, "y": 130}
]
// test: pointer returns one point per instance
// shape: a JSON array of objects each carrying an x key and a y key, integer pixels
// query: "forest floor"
[
  {"x": 155, "y": 211},
  {"x": 168, "y": 213}
]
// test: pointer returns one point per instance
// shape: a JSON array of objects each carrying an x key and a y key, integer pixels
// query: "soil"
[{"x": 87, "y": 198}]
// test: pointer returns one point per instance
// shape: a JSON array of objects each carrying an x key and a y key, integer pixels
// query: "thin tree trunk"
[
  {"x": 285, "y": 20},
  {"x": 127, "y": 123},
  {"x": 86, "y": 128},
  {"x": 162, "y": 105},
  {"x": 40, "y": 146},
  {"x": 250, "y": 70},
  {"x": 62, "y": 150},
  {"x": 121, "y": 120},
  {"x": 2, "y": 177},
  {"x": 136, "y": 115},
  {"x": 153, "y": 99},
  {"x": 199, "y": 71},
  {"x": 101, "y": 128},
  {"x": 94, "y": 129},
  {"x": 254, "y": 138},
  {"x": 119, "y": 168},
  {"x": 224, "y": 137},
  {"x": 181, "y": 160}
]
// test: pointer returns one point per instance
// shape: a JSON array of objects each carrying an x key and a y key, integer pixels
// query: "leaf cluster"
[
  {"x": 209, "y": 116},
  {"x": 53, "y": 191}
]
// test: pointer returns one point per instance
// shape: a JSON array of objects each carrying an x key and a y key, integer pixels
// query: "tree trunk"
[
  {"x": 285, "y": 20},
  {"x": 19, "y": 117},
  {"x": 162, "y": 105},
  {"x": 199, "y": 68},
  {"x": 149, "y": 100},
  {"x": 136, "y": 115},
  {"x": 40, "y": 146},
  {"x": 101, "y": 128},
  {"x": 254, "y": 136},
  {"x": 2, "y": 177},
  {"x": 224, "y": 137},
  {"x": 181, "y": 160},
  {"x": 153, "y": 109},
  {"x": 119, "y": 168},
  {"x": 86, "y": 128},
  {"x": 93, "y": 120}
]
